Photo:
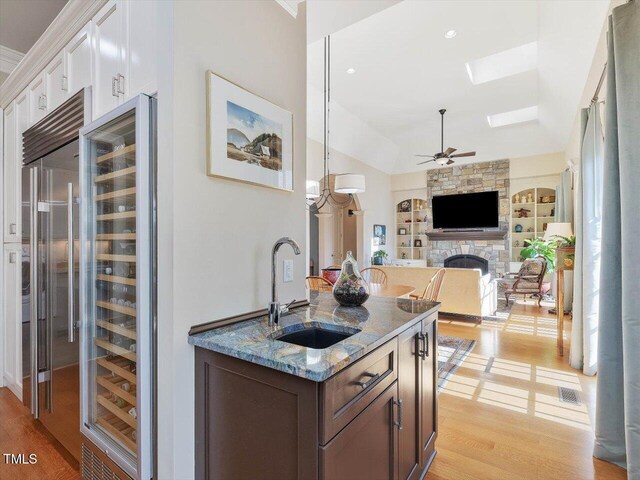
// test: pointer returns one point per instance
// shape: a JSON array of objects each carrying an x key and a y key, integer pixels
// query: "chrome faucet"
[{"x": 275, "y": 309}]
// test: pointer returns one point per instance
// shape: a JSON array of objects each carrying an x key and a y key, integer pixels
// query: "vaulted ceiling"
[{"x": 405, "y": 70}]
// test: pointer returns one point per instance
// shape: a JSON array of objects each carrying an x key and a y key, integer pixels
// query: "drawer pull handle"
[
  {"x": 372, "y": 378},
  {"x": 399, "y": 422}
]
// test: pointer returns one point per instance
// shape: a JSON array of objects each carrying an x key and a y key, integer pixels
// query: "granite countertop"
[{"x": 379, "y": 320}]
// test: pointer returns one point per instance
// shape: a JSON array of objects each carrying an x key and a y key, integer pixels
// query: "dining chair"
[
  {"x": 433, "y": 288},
  {"x": 374, "y": 275},
  {"x": 320, "y": 284}
]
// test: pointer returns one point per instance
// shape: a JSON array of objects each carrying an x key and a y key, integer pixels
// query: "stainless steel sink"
[{"x": 315, "y": 336}]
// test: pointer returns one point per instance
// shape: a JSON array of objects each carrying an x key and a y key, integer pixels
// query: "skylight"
[
  {"x": 523, "y": 115},
  {"x": 503, "y": 64}
]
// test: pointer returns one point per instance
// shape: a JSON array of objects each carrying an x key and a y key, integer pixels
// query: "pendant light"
[{"x": 345, "y": 185}]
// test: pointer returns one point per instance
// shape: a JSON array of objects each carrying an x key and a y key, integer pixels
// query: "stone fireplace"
[
  {"x": 476, "y": 177},
  {"x": 467, "y": 261}
]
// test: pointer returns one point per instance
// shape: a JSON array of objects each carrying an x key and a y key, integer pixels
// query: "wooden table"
[{"x": 390, "y": 290}]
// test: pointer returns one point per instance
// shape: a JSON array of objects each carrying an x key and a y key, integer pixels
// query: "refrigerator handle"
[
  {"x": 70, "y": 267},
  {"x": 34, "y": 294}
]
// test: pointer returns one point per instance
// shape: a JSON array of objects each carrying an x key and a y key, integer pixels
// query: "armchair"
[{"x": 528, "y": 280}]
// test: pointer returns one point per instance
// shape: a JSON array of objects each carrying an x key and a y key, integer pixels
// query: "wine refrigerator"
[{"x": 117, "y": 293}]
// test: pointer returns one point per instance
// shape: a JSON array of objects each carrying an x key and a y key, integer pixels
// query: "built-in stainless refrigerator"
[
  {"x": 117, "y": 294},
  {"x": 50, "y": 269}
]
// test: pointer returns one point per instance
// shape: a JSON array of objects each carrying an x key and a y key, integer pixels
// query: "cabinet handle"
[
  {"x": 399, "y": 422},
  {"x": 64, "y": 84},
  {"x": 421, "y": 343},
  {"x": 114, "y": 90},
  {"x": 13, "y": 257},
  {"x": 12, "y": 228},
  {"x": 120, "y": 84},
  {"x": 42, "y": 102},
  {"x": 425, "y": 338},
  {"x": 371, "y": 381}
]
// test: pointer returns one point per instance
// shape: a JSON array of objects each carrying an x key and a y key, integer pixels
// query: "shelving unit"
[
  {"x": 115, "y": 218},
  {"x": 534, "y": 225},
  {"x": 411, "y": 215}
]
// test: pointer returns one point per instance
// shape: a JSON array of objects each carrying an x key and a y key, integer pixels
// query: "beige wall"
[
  {"x": 537, "y": 171},
  {"x": 377, "y": 201},
  {"x": 215, "y": 235}
]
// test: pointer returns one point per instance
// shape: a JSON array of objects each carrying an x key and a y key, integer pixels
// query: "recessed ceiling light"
[
  {"x": 450, "y": 34},
  {"x": 351, "y": 70}
]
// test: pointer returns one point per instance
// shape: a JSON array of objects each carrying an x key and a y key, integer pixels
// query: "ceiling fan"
[{"x": 444, "y": 157}]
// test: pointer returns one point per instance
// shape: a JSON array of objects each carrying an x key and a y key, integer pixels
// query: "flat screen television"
[{"x": 466, "y": 210}]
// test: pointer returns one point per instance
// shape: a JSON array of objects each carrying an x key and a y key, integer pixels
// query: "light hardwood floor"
[
  {"x": 500, "y": 417},
  {"x": 19, "y": 433}
]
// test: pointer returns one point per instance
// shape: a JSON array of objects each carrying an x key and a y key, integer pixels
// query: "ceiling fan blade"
[
  {"x": 448, "y": 151},
  {"x": 426, "y": 161},
  {"x": 418, "y": 155},
  {"x": 466, "y": 154},
  {"x": 450, "y": 162}
]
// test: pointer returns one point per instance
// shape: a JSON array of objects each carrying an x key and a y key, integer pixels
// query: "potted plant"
[
  {"x": 534, "y": 247},
  {"x": 565, "y": 251},
  {"x": 378, "y": 257}
]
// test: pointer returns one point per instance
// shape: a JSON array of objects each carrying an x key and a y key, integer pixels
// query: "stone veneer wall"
[{"x": 477, "y": 177}]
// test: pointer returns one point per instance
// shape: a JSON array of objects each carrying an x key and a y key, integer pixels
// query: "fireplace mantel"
[{"x": 469, "y": 235}]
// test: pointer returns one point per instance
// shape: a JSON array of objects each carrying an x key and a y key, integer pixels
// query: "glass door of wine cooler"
[{"x": 116, "y": 255}]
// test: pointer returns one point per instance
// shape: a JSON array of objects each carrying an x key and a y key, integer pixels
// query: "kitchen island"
[{"x": 362, "y": 407}]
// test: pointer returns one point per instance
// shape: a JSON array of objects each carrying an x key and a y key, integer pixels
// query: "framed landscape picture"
[{"x": 249, "y": 139}]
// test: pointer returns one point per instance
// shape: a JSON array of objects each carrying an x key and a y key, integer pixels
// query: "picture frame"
[
  {"x": 380, "y": 234},
  {"x": 417, "y": 242},
  {"x": 249, "y": 139},
  {"x": 402, "y": 231}
]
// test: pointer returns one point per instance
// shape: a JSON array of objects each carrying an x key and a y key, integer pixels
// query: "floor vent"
[
  {"x": 93, "y": 468},
  {"x": 569, "y": 395},
  {"x": 487, "y": 369}
]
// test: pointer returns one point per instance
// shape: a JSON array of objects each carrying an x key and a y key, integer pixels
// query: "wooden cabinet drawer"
[{"x": 347, "y": 393}]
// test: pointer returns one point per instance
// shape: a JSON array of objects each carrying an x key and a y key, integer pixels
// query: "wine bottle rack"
[{"x": 117, "y": 322}]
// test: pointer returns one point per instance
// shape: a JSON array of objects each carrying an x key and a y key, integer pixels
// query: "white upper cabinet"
[
  {"x": 78, "y": 62},
  {"x": 54, "y": 79},
  {"x": 140, "y": 48},
  {"x": 124, "y": 53},
  {"x": 37, "y": 99},
  {"x": 10, "y": 196},
  {"x": 108, "y": 40}
]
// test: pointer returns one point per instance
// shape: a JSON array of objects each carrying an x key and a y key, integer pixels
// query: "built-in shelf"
[
  {"x": 114, "y": 385},
  {"x": 115, "y": 236},
  {"x": 115, "y": 258},
  {"x": 539, "y": 214},
  {"x": 128, "y": 153},
  {"x": 121, "y": 413},
  {"x": 117, "y": 428},
  {"x": 114, "y": 307},
  {"x": 115, "y": 328},
  {"x": 117, "y": 194},
  {"x": 125, "y": 172},
  {"x": 123, "y": 352},
  {"x": 116, "y": 279},
  {"x": 116, "y": 216},
  {"x": 462, "y": 235},
  {"x": 119, "y": 366}
]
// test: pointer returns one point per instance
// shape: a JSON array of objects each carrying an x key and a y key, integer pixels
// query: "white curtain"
[
  {"x": 617, "y": 428},
  {"x": 586, "y": 278},
  {"x": 564, "y": 214}
]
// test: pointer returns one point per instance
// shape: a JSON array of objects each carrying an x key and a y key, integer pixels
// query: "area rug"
[{"x": 452, "y": 351}]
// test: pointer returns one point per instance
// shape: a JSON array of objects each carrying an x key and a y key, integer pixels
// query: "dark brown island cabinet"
[{"x": 375, "y": 419}]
